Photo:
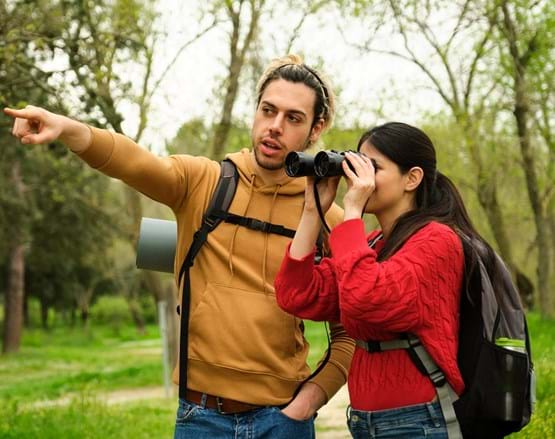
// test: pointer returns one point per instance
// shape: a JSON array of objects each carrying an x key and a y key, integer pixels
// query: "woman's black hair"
[{"x": 437, "y": 198}]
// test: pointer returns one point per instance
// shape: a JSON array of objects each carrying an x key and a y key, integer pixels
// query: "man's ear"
[
  {"x": 316, "y": 131},
  {"x": 414, "y": 178}
]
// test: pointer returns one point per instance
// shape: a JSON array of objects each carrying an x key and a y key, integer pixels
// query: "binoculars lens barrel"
[
  {"x": 324, "y": 164},
  {"x": 328, "y": 164},
  {"x": 299, "y": 164}
]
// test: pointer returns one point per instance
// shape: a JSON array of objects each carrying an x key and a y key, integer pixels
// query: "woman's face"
[{"x": 390, "y": 193}]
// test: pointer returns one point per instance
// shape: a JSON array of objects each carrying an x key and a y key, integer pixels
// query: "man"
[{"x": 246, "y": 367}]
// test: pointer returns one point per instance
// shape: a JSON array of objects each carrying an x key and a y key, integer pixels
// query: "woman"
[{"x": 404, "y": 278}]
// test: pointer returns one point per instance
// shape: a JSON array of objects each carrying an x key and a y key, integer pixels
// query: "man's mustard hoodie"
[{"x": 241, "y": 344}]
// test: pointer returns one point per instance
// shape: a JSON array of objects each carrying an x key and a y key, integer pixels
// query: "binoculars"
[{"x": 323, "y": 164}]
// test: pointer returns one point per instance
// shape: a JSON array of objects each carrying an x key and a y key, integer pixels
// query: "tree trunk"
[
  {"x": 237, "y": 60},
  {"x": 532, "y": 185},
  {"x": 26, "y": 319},
  {"x": 44, "y": 314},
  {"x": 136, "y": 314},
  {"x": 13, "y": 319},
  {"x": 72, "y": 316},
  {"x": 84, "y": 316},
  {"x": 487, "y": 196},
  {"x": 13, "y": 309},
  {"x": 521, "y": 113}
]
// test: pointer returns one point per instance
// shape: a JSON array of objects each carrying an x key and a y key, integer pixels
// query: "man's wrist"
[
  {"x": 76, "y": 135},
  {"x": 309, "y": 400}
]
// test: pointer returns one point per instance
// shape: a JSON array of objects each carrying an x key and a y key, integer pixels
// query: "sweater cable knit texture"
[{"x": 416, "y": 290}]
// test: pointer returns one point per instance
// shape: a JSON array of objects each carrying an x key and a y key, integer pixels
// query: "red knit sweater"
[{"x": 416, "y": 290}]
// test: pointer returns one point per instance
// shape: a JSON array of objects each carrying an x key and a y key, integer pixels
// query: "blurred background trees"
[{"x": 68, "y": 233}]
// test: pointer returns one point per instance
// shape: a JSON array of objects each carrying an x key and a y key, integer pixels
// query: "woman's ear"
[{"x": 414, "y": 177}]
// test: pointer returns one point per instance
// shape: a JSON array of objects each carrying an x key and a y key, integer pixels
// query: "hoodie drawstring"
[
  {"x": 231, "y": 245},
  {"x": 278, "y": 186}
]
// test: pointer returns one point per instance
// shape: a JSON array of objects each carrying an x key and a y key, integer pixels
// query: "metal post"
[{"x": 162, "y": 305}]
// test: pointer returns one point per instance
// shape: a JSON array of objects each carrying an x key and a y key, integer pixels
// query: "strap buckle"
[
  {"x": 371, "y": 346},
  {"x": 261, "y": 226},
  {"x": 211, "y": 221},
  {"x": 438, "y": 378}
]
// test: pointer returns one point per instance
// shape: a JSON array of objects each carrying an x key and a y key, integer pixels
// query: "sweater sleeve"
[
  {"x": 164, "y": 179},
  {"x": 334, "y": 374},
  {"x": 306, "y": 290},
  {"x": 392, "y": 293}
]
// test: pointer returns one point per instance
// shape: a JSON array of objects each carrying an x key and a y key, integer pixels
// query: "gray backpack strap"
[{"x": 427, "y": 366}]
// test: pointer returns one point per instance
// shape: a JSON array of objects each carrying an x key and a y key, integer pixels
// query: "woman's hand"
[
  {"x": 360, "y": 184},
  {"x": 327, "y": 189},
  {"x": 310, "y": 225}
]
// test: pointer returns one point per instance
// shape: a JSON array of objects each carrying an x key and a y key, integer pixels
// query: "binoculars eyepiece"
[{"x": 323, "y": 164}]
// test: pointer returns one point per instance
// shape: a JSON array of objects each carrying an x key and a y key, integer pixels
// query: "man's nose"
[{"x": 276, "y": 127}]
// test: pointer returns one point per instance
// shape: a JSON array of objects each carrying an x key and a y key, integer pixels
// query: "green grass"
[
  {"x": 542, "y": 334},
  {"x": 52, "y": 364},
  {"x": 83, "y": 363},
  {"x": 87, "y": 418}
]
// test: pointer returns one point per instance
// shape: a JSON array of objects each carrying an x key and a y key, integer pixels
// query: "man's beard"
[{"x": 273, "y": 166}]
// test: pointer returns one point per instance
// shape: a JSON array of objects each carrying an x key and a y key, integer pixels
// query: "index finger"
[{"x": 26, "y": 113}]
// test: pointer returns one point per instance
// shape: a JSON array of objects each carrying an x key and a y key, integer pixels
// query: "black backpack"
[{"x": 494, "y": 354}]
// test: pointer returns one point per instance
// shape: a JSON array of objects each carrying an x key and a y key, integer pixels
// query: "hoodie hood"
[{"x": 244, "y": 160}]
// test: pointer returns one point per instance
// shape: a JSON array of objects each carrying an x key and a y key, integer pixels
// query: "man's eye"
[{"x": 294, "y": 119}]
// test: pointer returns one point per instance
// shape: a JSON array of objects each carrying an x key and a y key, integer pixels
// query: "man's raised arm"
[{"x": 164, "y": 179}]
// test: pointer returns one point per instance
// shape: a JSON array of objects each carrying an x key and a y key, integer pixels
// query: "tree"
[
  {"x": 524, "y": 28},
  {"x": 244, "y": 39},
  {"x": 458, "y": 65},
  {"x": 16, "y": 79},
  {"x": 102, "y": 42}
]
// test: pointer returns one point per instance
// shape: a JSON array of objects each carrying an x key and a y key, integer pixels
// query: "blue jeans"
[
  {"x": 414, "y": 422},
  {"x": 197, "y": 422}
]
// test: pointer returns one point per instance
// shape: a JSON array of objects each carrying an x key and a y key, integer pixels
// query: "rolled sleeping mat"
[{"x": 156, "y": 246}]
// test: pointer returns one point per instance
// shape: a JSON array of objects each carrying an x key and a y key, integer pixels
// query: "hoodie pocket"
[{"x": 244, "y": 330}]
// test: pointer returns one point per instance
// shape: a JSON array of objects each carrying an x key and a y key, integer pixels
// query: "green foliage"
[
  {"x": 112, "y": 311},
  {"x": 342, "y": 139},
  {"x": 194, "y": 138},
  {"x": 61, "y": 213},
  {"x": 148, "y": 307}
]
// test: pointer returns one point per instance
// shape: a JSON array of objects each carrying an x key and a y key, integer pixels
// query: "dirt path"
[{"x": 330, "y": 421}]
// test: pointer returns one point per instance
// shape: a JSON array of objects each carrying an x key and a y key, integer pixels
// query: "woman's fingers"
[
  {"x": 347, "y": 170},
  {"x": 362, "y": 164}
]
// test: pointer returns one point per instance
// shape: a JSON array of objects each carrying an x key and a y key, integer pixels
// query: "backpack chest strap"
[
  {"x": 428, "y": 367},
  {"x": 253, "y": 223}
]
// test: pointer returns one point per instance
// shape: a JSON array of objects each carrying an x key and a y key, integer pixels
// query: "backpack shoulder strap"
[
  {"x": 224, "y": 192},
  {"x": 428, "y": 367},
  {"x": 221, "y": 200}
]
